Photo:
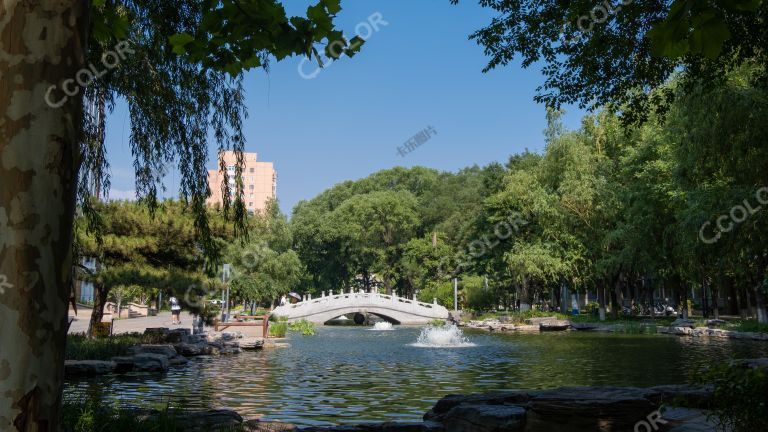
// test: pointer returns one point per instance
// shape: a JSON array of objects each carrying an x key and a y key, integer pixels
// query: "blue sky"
[{"x": 416, "y": 71}]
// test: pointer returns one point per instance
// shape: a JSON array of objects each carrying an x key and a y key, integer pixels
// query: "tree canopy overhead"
[{"x": 616, "y": 52}]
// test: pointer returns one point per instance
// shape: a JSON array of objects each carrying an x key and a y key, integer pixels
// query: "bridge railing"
[{"x": 376, "y": 297}]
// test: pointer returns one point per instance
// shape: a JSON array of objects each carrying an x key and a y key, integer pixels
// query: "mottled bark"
[
  {"x": 41, "y": 44},
  {"x": 100, "y": 294}
]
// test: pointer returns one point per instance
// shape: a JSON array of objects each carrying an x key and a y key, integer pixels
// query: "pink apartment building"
[{"x": 259, "y": 180}]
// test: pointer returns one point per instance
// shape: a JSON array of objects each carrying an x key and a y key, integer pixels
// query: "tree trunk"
[
  {"x": 762, "y": 314},
  {"x": 601, "y": 300},
  {"x": 99, "y": 302},
  {"x": 42, "y": 44},
  {"x": 525, "y": 304}
]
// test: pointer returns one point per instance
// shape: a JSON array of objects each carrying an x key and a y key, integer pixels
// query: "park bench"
[{"x": 259, "y": 320}]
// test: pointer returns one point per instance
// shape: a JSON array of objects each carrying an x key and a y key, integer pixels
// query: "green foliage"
[
  {"x": 237, "y": 35},
  {"x": 442, "y": 291},
  {"x": 739, "y": 398},
  {"x": 609, "y": 54},
  {"x": 81, "y": 347},
  {"x": 278, "y": 329},
  {"x": 306, "y": 328},
  {"x": 90, "y": 415},
  {"x": 747, "y": 326}
]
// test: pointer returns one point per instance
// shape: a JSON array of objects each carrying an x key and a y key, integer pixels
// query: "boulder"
[
  {"x": 124, "y": 364},
  {"x": 263, "y": 426},
  {"x": 484, "y": 418},
  {"x": 158, "y": 334},
  {"x": 178, "y": 335},
  {"x": 555, "y": 325},
  {"x": 685, "y": 323},
  {"x": 178, "y": 361},
  {"x": 215, "y": 419},
  {"x": 188, "y": 349},
  {"x": 230, "y": 336},
  {"x": 88, "y": 367},
  {"x": 251, "y": 343},
  {"x": 715, "y": 322},
  {"x": 166, "y": 350},
  {"x": 584, "y": 326},
  {"x": 150, "y": 363},
  {"x": 537, "y": 321},
  {"x": 449, "y": 402}
]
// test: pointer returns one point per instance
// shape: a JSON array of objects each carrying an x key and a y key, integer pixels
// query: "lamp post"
[{"x": 225, "y": 293}]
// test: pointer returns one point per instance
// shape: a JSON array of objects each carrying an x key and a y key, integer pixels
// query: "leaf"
[{"x": 179, "y": 41}]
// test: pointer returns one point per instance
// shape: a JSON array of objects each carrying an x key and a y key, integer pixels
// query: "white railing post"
[{"x": 434, "y": 301}]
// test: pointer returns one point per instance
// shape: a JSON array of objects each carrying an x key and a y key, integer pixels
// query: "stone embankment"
[
  {"x": 680, "y": 327},
  {"x": 173, "y": 349}
]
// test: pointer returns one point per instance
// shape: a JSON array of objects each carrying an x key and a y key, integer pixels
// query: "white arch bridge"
[{"x": 397, "y": 310}]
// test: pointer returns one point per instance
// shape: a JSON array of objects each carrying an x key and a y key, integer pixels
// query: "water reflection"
[{"x": 349, "y": 375}]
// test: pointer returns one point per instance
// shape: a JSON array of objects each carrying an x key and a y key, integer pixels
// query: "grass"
[
  {"x": 81, "y": 347},
  {"x": 304, "y": 327},
  {"x": 92, "y": 416},
  {"x": 751, "y": 326},
  {"x": 437, "y": 323},
  {"x": 278, "y": 329}
]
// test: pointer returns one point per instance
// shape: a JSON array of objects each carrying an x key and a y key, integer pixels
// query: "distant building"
[{"x": 259, "y": 181}]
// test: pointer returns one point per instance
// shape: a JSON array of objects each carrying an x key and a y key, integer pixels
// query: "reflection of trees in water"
[{"x": 243, "y": 382}]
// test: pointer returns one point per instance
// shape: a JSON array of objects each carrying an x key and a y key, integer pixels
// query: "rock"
[
  {"x": 584, "y": 326},
  {"x": 686, "y": 420},
  {"x": 124, "y": 364},
  {"x": 158, "y": 334},
  {"x": 715, "y": 322},
  {"x": 260, "y": 426},
  {"x": 150, "y": 363},
  {"x": 378, "y": 427},
  {"x": 197, "y": 338},
  {"x": 230, "y": 336},
  {"x": 189, "y": 350},
  {"x": 251, "y": 343},
  {"x": 207, "y": 420},
  {"x": 449, "y": 402},
  {"x": 178, "y": 335},
  {"x": 178, "y": 361},
  {"x": 484, "y": 418},
  {"x": 166, "y": 350},
  {"x": 557, "y": 325},
  {"x": 537, "y": 321},
  {"x": 88, "y": 367},
  {"x": 680, "y": 322},
  {"x": 697, "y": 396}
]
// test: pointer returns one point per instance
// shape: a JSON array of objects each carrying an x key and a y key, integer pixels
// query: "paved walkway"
[{"x": 138, "y": 325}]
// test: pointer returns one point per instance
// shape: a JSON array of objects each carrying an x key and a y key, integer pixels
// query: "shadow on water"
[{"x": 350, "y": 374}]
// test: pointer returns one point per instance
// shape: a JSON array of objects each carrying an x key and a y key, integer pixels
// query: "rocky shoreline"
[
  {"x": 174, "y": 348},
  {"x": 577, "y": 409},
  {"x": 679, "y": 327}
]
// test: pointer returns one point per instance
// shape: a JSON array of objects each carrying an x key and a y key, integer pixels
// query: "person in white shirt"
[{"x": 175, "y": 310}]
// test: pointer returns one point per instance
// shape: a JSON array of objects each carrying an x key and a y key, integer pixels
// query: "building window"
[
  {"x": 231, "y": 168},
  {"x": 250, "y": 204},
  {"x": 250, "y": 187},
  {"x": 253, "y": 170}
]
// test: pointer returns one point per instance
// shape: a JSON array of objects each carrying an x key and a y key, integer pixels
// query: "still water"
[{"x": 354, "y": 374}]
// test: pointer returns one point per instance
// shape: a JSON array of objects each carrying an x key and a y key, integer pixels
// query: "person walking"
[{"x": 175, "y": 310}]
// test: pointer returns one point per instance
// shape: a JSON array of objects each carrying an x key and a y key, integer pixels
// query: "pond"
[{"x": 354, "y": 374}]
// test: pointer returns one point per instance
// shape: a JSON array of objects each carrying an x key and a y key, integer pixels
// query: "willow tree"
[{"x": 43, "y": 147}]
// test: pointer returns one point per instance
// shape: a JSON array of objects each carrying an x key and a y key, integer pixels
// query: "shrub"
[
  {"x": 437, "y": 323},
  {"x": 739, "y": 400},
  {"x": 306, "y": 328},
  {"x": 278, "y": 329},
  {"x": 81, "y": 347}
]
